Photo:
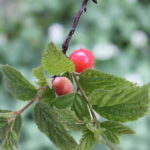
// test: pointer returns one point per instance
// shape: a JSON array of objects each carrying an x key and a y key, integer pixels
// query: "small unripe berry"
[
  {"x": 62, "y": 86},
  {"x": 83, "y": 59}
]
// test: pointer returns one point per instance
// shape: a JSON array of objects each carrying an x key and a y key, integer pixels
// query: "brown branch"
[
  {"x": 74, "y": 26},
  {"x": 35, "y": 99}
]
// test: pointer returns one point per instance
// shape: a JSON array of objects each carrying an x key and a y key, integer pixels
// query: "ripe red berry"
[
  {"x": 62, "y": 86},
  {"x": 83, "y": 59}
]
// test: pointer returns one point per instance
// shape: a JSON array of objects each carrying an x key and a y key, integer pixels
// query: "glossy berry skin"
[
  {"x": 83, "y": 59},
  {"x": 62, "y": 86}
]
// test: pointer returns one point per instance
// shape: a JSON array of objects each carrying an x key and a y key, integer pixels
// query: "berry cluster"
[{"x": 82, "y": 59}]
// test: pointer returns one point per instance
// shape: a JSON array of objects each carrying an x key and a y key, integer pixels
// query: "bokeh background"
[{"x": 117, "y": 31}]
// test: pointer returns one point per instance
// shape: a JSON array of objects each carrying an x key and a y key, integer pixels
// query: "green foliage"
[
  {"x": 11, "y": 141},
  {"x": 48, "y": 95},
  {"x": 135, "y": 105},
  {"x": 112, "y": 97},
  {"x": 123, "y": 112},
  {"x": 69, "y": 119},
  {"x": 87, "y": 141},
  {"x": 118, "y": 22},
  {"x": 39, "y": 74},
  {"x": 48, "y": 122},
  {"x": 54, "y": 62},
  {"x": 75, "y": 102},
  {"x": 17, "y": 84},
  {"x": 114, "y": 130},
  {"x": 10, "y": 126},
  {"x": 101, "y": 97},
  {"x": 94, "y": 79}
]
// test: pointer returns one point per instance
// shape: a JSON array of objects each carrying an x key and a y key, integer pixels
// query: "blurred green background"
[{"x": 117, "y": 31}]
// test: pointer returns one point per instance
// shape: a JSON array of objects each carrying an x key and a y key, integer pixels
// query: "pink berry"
[
  {"x": 83, "y": 59},
  {"x": 62, "y": 86}
]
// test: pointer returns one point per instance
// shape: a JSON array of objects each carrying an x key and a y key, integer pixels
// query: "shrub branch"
[
  {"x": 74, "y": 26},
  {"x": 35, "y": 99}
]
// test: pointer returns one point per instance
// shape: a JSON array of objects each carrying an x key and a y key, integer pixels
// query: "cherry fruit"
[
  {"x": 83, "y": 59},
  {"x": 62, "y": 86}
]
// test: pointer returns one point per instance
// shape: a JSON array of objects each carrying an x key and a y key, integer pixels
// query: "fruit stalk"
[{"x": 85, "y": 98}]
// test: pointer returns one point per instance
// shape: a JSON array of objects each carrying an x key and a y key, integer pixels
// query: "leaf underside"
[{"x": 48, "y": 122}]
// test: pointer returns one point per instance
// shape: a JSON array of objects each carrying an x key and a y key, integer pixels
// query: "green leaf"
[
  {"x": 112, "y": 137},
  {"x": 92, "y": 79},
  {"x": 10, "y": 132},
  {"x": 11, "y": 141},
  {"x": 123, "y": 112},
  {"x": 7, "y": 115},
  {"x": 95, "y": 128},
  {"x": 39, "y": 74},
  {"x": 106, "y": 141},
  {"x": 67, "y": 75},
  {"x": 135, "y": 106},
  {"x": 17, "y": 84},
  {"x": 116, "y": 127},
  {"x": 3, "y": 122},
  {"x": 55, "y": 62},
  {"x": 75, "y": 101},
  {"x": 17, "y": 125},
  {"x": 114, "y": 130},
  {"x": 48, "y": 122},
  {"x": 87, "y": 141},
  {"x": 69, "y": 119},
  {"x": 48, "y": 96},
  {"x": 101, "y": 97}
]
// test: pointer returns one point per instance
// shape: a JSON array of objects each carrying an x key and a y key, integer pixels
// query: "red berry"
[
  {"x": 62, "y": 86},
  {"x": 83, "y": 59}
]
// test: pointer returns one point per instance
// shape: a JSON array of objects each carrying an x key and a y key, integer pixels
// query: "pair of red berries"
[{"x": 82, "y": 59}]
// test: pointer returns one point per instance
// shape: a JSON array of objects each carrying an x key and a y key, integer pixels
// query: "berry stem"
[
  {"x": 85, "y": 97},
  {"x": 74, "y": 26},
  {"x": 35, "y": 99}
]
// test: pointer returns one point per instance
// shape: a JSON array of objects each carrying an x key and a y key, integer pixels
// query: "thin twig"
[
  {"x": 35, "y": 99},
  {"x": 74, "y": 26},
  {"x": 85, "y": 97}
]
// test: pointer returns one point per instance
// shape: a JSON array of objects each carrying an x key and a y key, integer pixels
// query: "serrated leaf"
[
  {"x": 69, "y": 119},
  {"x": 7, "y": 115},
  {"x": 48, "y": 122},
  {"x": 55, "y": 62},
  {"x": 116, "y": 127},
  {"x": 16, "y": 84},
  {"x": 87, "y": 141},
  {"x": 101, "y": 97},
  {"x": 123, "y": 112},
  {"x": 3, "y": 132},
  {"x": 10, "y": 132},
  {"x": 95, "y": 128},
  {"x": 114, "y": 130},
  {"x": 75, "y": 101},
  {"x": 48, "y": 96},
  {"x": 39, "y": 74},
  {"x": 11, "y": 141},
  {"x": 134, "y": 108},
  {"x": 3, "y": 122},
  {"x": 92, "y": 79},
  {"x": 4, "y": 126},
  {"x": 112, "y": 137},
  {"x": 107, "y": 142},
  {"x": 17, "y": 125}
]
